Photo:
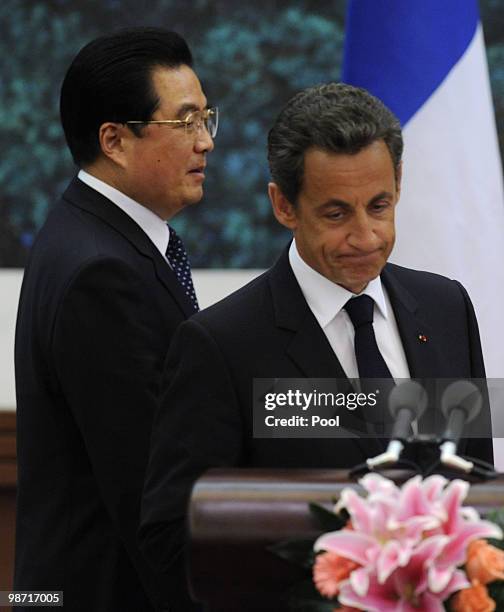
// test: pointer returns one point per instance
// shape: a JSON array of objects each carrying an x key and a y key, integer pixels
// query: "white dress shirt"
[
  {"x": 155, "y": 228},
  {"x": 326, "y": 300}
]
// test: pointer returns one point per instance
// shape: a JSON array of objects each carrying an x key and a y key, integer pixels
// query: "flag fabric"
[{"x": 426, "y": 61}]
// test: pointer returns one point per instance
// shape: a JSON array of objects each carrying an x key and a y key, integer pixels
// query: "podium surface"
[{"x": 236, "y": 514}]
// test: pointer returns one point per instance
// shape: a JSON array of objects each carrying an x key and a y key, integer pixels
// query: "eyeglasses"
[{"x": 192, "y": 123}]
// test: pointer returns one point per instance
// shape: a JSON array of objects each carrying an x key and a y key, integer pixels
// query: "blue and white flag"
[{"x": 426, "y": 61}]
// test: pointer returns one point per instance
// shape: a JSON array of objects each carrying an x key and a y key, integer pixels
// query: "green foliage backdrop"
[{"x": 250, "y": 58}]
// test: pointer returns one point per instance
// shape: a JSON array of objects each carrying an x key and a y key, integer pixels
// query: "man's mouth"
[
  {"x": 198, "y": 170},
  {"x": 361, "y": 257}
]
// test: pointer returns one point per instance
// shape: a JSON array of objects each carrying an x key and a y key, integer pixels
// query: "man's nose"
[
  {"x": 203, "y": 142},
  {"x": 362, "y": 233}
]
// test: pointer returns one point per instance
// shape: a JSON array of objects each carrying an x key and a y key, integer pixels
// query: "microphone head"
[
  {"x": 409, "y": 394},
  {"x": 462, "y": 394}
]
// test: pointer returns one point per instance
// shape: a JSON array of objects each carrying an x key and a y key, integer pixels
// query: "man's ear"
[
  {"x": 399, "y": 178},
  {"x": 111, "y": 137},
  {"x": 284, "y": 211}
]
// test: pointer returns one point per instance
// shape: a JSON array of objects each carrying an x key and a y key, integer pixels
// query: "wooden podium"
[{"x": 236, "y": 514}]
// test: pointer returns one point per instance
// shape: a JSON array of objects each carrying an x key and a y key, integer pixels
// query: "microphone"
[
  {"x": 407, "y": 403},
  {"x": 461, "y": 403}
]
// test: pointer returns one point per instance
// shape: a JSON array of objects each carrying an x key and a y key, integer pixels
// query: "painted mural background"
[{"x": 251, "y": 59}]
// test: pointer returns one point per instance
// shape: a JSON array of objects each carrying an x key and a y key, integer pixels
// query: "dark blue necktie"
[
  {"x": 370, "y": 361},
  {"x": 177, "y": 256}
]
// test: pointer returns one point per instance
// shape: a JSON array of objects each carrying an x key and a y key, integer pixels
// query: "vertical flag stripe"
[
  {"x": 426, "y": 60},
  {"x": 421, "y": 40}
]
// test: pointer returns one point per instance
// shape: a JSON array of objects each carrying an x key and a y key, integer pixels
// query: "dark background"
[{"x": 250, "y": 59}]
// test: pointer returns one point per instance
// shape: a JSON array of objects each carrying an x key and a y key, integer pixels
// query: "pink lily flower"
[
  {"x": 420, "y": 528},
  {"x": 407, "y": 590},
  {"x": 462, "y": 526}
]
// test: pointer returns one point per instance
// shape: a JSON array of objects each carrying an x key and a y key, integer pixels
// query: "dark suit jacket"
[
  {"x": 99, "y": 306},
  {"x": 266, "y": 330}
]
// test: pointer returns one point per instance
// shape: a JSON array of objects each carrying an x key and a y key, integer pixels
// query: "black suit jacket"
[
  {"x": 266, "y": 330},
  {"x": 99, "y": 306}
]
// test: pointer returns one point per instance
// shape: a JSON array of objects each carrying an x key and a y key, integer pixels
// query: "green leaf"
[
  {"x": 497, "y": 517},
  {"x": 299, "y": 552},
  {"x": 304, "y": 597},
  {"x": 327, "y": 519},
  {"x": 496, "y": 592}
]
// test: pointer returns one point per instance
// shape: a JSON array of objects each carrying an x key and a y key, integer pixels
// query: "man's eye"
[
  {"x": 380, "y": 206},
  {"x": 189, "y": 122},
  {"x": 335, "y": 215}
]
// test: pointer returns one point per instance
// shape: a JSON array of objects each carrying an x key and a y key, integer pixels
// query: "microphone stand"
[
  {"x": 450, "y": 459},
  {"x": 447, "y": 464}
]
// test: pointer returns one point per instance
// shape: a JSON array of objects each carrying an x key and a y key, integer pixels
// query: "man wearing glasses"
[{"x": 107, "y": 284}]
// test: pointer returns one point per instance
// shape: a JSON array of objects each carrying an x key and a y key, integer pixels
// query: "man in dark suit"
[
  {"x": 107, "y": 284},
  {"x": 335, "y": 159}
]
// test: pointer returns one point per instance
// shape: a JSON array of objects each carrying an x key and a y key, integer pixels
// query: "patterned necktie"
[{"x": 177, "y": 256}]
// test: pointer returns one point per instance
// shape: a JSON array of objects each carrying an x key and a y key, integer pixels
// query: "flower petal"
[
  {"x": 350, "y": 544},
  {"x": 359, "y": 579},
  {"x": 470, "y": 514},
  {"x": 391, "y": 557},
  {"x": 415, "y": 573},
  {"x": 455, "y": 551},
  {"x": 439, "y": 578},
  {"x": 374, "y": 483},
  {"x": 412, "y": 501},
  {"x": 377, "y": 599},
  {"x": 433, "y": 486},
  {"x": 431, "y": 603},
  {"x": 359, "y": 510},
  {"x": 454, "y": 495},
  {"x": 457, "y": 582}
]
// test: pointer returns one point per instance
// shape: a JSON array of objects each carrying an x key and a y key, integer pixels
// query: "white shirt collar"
[
  {"x": 155, "y": 228},
  {"x": 324, "y": 297}
]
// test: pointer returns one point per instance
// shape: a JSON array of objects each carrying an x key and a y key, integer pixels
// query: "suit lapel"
[
  {"x": 420, "y": 344},
  {"x": 167, "y": 277},
  {"x": 308, "y": 348},
  {"x": 84, "y": 197}
]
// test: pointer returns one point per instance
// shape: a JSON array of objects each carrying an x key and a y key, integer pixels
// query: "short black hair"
[
  {"x": 110, "y": 79},
  {"x": 334, "y": 117}
]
